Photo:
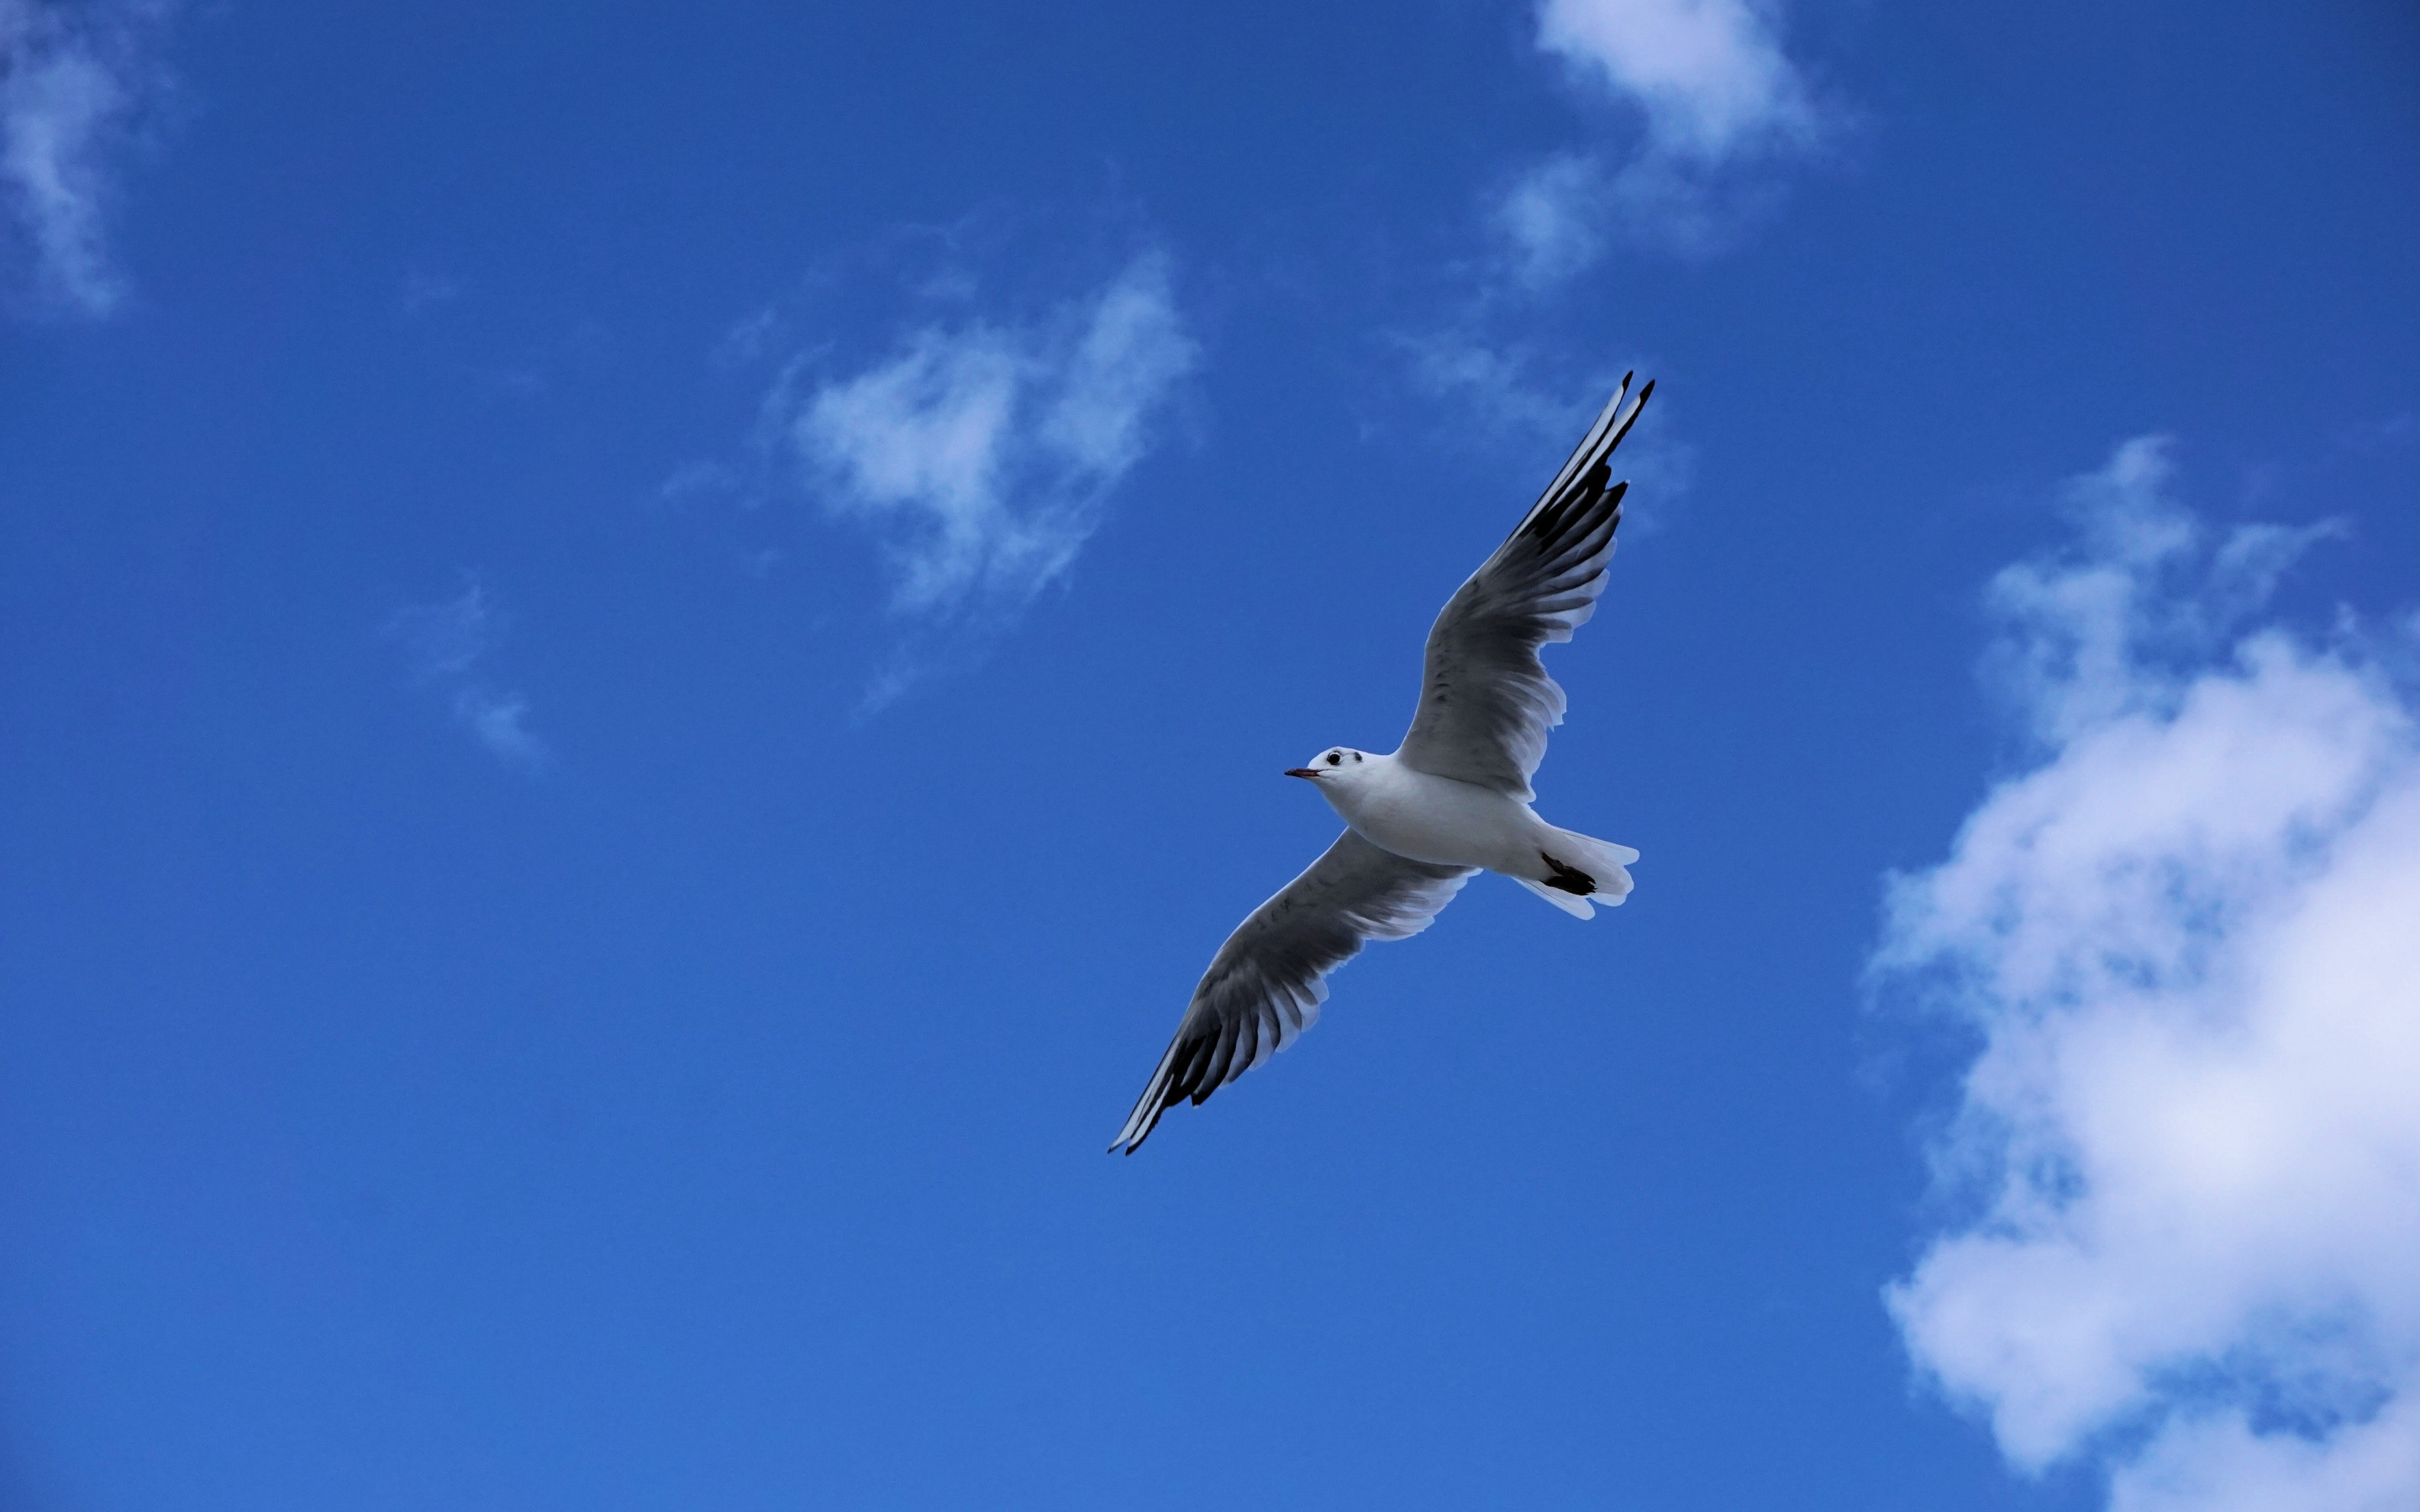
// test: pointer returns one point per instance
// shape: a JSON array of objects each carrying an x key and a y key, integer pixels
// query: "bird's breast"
[{"x": 1435, "y": 819}]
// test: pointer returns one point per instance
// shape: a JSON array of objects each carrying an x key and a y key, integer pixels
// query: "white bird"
[{"x": 1453, "y": 799}]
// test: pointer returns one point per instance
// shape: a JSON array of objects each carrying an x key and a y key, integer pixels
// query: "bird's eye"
[{"x": 1334, "y": 760}]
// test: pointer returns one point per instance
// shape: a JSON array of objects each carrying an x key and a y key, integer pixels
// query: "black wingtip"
[{"x": 1125, "y": 1145}]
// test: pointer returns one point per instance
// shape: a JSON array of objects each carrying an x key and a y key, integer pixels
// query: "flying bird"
[{"x": 1453, "y": 799}]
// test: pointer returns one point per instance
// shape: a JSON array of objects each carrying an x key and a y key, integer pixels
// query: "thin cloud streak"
[
  {"x": 2189, "y": 1145},
  {"x": 448, "y": 645},
  {"x": 1503, "y": 400},
  {"x": 72, "y": 81},
  {"x": 500, "y": 721}
]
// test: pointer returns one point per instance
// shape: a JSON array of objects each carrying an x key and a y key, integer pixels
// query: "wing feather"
[
  {"x": 1486, "y": 702},
  {"x": 1266, "y": 984}
]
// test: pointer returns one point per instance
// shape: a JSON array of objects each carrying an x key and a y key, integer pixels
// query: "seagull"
[{"x": 1453, "y": 799}]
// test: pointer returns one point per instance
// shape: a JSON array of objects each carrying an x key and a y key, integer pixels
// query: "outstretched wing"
[
  {"x": 1487, "y": 701},
  {"x": 1266, "y": 984}
]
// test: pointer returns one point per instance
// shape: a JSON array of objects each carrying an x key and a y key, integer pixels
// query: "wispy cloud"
[
  {"x": 1553, "y": 218},
  {"x": 981, "y": 447},
  {"x": 448, "y": 644},
  {"x": 2190, "y": 1141},
  {"x": 1708, "y": 74},
  {"x": 1715, "y": 100},
  {"x": 1507, "y": 394},
  {"x": 423, "y": 291},
  {"x": 1496, "y": 384},
  {"x": 1698, "y": 103},
  {"x": 73, "y": 80}
]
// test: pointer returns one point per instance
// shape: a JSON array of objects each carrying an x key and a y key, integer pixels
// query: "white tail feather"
[
  {"x": 1576, "y": 906},
  {"x": 1603, "y": 862}
]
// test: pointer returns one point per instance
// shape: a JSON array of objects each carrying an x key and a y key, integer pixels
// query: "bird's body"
[
  {"x": 1399, "y": 809},
  {"x": 1454, "y": 799}
]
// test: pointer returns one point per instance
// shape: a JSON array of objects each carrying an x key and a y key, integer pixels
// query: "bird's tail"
[{"x": 1579, "y": 870}]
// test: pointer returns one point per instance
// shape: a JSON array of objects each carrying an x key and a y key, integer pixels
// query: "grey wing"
[
  {"x": 1266, "y": 984},
  {"x": 1487, "y": 701}
]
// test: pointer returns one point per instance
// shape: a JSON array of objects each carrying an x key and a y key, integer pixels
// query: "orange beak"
[{"x": 1302, "y": 771}]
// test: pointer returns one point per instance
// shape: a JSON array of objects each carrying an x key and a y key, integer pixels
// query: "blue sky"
[{"x": 646, "y": 649}]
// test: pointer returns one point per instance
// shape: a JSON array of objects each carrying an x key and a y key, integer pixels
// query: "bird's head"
[{"x": 1337, "y": 764}]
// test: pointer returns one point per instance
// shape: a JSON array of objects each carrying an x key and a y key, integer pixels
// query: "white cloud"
[
  {"x": 447, "y": 644},
  {"x": 981, "y": 451},
  {"x": 2185, "y": 938},
  {"x": 72, "y": 80},
  {"x": 1708, "y": 74},
  {"x": 1715, "y": 96}
]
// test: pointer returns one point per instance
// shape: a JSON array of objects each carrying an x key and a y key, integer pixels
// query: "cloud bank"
[
  {"x": 980, "y": 452},
  {"x": 2184, "y": 936},
  {"x": 72, "y": 80},
  {"x": 448, "y": 644},
  {"x": 1716, "y": 97}
]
